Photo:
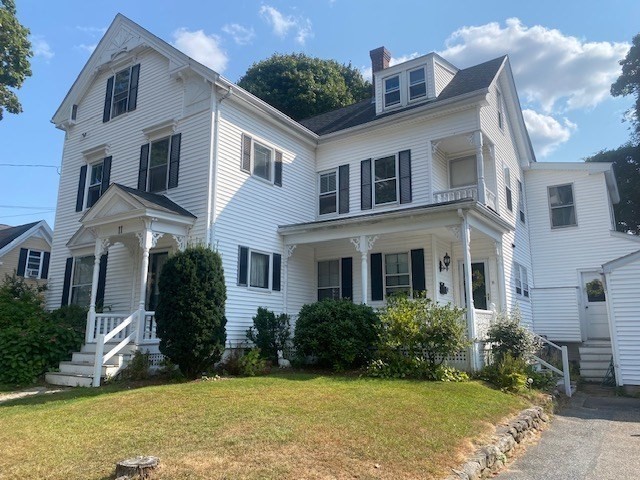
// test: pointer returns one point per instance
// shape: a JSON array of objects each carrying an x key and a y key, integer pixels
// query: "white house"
[
  {"x": 421, "y": 188},
  {"x": 25, "y": 251}
]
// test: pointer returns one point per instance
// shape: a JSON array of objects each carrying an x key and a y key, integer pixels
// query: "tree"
[
  {"x": 15, "y": 50},
  {"x": 628, "y": 83},
  {"x": 190, "y": 314},
  {"x": 626, "y": 164},
  {"x": 303, "y": 86}
]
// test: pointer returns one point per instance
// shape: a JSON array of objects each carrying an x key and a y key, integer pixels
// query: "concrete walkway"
[
  {"x": 29, "y": 392},
  {"x": 593, "y": 438}
]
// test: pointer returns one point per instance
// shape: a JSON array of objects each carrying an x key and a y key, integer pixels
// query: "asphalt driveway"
[{"x": 594, "y": 438}]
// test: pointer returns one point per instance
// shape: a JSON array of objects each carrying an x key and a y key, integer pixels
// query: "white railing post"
[
  {"x": 91, "y": 326},
  {"x": 565, "y": 371},
  {"x": 97, "y": 366}
]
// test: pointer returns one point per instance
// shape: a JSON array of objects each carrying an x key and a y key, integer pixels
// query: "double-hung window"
[
  {"x": 258, "y": 269},
  {"x": 81, "y": 281},
  {"x": 329, "y": 279},
  {"x": 507, "y": 188},
  {"x": 521, "y": 280},
  {"x": 385, "y": 180},
  {"x": 34, "y": 264},
  {"x": 95, "y": 184},
  {"x": 159, "y": 165},
  {"x": 94, "y": 180},
  {"x": 261, "y": 161},
  {"x": 417, "y": 84},
  {"x": 499, "y": 106},
  {"x": 397, "y": 278},
  {"x": 521, "y": 201},
  {"x": 463, "y": 172},
  {"x": 328, "y": 196},
  {"x": 562, "y": 206},
  {"x": 392, "y": 91},
  {"x": 122, "y": 93}
]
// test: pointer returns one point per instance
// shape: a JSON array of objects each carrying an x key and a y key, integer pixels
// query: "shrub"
[
  {"x": 403, "y": 366},
  {"x": 417, "y": 335},
  {"x": 270, "y": 333},
  {"x": 72, "y": 316},
  {"x": 137, "y": 368},
  {"x": 20, "y": 302},
  {"x": 507, "y": 335},
  {"x": 190, "y": 314},
  {"x": 338, "y": 333},
  {"x": 252, "y": 363},
  {"x": 509, "y": 374}
]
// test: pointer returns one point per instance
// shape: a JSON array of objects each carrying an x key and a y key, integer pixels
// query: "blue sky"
[{"x": 564, "y": 55}]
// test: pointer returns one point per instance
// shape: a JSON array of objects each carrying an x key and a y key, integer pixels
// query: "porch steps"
[
  {"x": 79, "y": 371},
  {"x": 594, "y": 360}
]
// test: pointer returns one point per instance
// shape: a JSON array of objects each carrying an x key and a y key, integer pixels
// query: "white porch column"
[
  {"x": 477, "y": 142},
  {"x": 363, "y": 244},
  {"x": 502, "y": 288},
  {"x": 148, "y": 240},
  {"x": 102, "y": 244},
  {"x": 465, "y": 237},
  {"x": 288, "y": 251}
]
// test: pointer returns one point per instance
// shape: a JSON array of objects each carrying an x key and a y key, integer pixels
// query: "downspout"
[{"x": 213, "y": 166}]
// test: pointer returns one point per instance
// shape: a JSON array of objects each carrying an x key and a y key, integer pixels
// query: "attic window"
[
  {"x": 392, "y": 91},
  {"x": 122, "y": 93},
  {"x": 417, "y": 84}
]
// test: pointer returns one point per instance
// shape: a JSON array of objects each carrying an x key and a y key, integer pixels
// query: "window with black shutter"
[
  {"x": 160, "y": 164},
  {"x": 94, "y": 178},
  {"x": 122, "y": 93},
  {"x": 261, "y": 160}
]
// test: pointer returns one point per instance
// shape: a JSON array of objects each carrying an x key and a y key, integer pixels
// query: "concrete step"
[
  {"x": 593, "y": 374},
  {"x": 600, "y": 365},
  {"x": 595, "y": 357},
  {"x": 75, "y": 368},
  {"x": 68, "y": 380},
  {"x": 91, "y": 348},
  {"x": 87, "y": 357},
  {"x": 595, "y": 349}
]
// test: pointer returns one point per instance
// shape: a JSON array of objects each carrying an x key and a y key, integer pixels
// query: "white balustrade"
[
  {"x": 490, "y": 198},
  {"x": 454, "y": 194}
]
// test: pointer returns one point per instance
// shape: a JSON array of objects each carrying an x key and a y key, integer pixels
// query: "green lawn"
[{"x": 279, "y": 426}]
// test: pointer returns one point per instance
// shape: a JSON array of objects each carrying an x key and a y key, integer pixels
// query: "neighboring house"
[
  {"x": 25, "y": 251},
  {"x": 572, "y": 231},
  {"x": 420, "y": 188}
]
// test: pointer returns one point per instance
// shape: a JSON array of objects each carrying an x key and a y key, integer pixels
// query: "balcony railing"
[{"x": 464, "y": 193}]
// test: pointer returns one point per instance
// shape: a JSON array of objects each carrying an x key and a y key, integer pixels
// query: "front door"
[
  {"x": 478, "y": 285},
  {"x": 156, "y": 262},
  {"x": 595, "y": 304}
]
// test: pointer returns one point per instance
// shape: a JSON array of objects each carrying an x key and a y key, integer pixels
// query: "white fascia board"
[
  {"x": 621, "y": 262},
  {"x": 590, "y": 167}
]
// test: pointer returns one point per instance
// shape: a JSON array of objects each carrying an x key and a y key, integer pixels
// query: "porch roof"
[{"x": 421, "y": 216}]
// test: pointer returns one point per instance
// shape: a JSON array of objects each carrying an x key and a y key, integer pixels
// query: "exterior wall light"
[{"x": 445, "y": 262}]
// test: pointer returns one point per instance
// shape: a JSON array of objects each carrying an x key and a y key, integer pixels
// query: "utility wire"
[
  {"x": 27, "y": 208},
  {"x": 24, "y": 214},
  {"x": 30, "y": 165}
]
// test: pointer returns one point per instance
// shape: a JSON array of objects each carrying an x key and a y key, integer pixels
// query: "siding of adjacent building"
[{"x": 9, "y": 261}]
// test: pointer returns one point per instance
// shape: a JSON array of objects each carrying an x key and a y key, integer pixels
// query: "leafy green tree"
[
  {"x": 628, "y": 83},
  {"x": 15, "y": 50},
  {"x": 190, "y": 314},
  {"x": 626, "y": 164},
  {"x": 302, "y": 86}
]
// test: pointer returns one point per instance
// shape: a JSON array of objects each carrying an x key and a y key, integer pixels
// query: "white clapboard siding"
[
  {"x": 442, "y": 75},
  {"x": 557, "y": 313},
  {"x": 622, "y": 290}
]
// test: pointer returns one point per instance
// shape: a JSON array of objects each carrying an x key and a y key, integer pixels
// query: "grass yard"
[{"x": 280, "y": 426}]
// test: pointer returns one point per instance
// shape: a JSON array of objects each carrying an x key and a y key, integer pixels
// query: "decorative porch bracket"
[{"x": 364, "y": 244}]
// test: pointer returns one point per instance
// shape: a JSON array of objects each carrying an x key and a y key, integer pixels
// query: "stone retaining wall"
[{"x": 490, "y": 458}]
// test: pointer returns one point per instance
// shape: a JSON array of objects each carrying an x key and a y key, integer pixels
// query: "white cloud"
[
  {"x": 40, "y": 47},
  {"x": 367, "y": 71},
  {"x": 546, "y": 132},
  {"x": 283, "y": 24},
  {"x": 87, "y": 47},
  {"x": 241, "y": 35},
  {"x": 556, "y": 71},
  {"x": 93, "y": 31},
  {"x": 201, "y": 47}
]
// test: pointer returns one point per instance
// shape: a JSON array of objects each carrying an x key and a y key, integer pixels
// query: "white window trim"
[
  {"x": 166, "y": 183},
  {"x": 88, "y": 184},
  {"x": 507, "y": 186},
  {"x": 272, "y": 167},
  {"x": 384, "y": 272},
  {"x": 339, "y": 286},
  {"x": 113, "y": 93},
  {"x": 500, "y": 109},
  {"x": 426, "y": 86},
  {"x": 523, "y": 274},
  {"x": 269, "y": 288},
  {"x": 401, "y": 81},
  {"x": 337, "y": 174},
  {"x": 26, "y": 266},
  {"x": 575, "y": 210},
  {"x": 522, "y": 210},
  {"x": 452, "y": 160},
  {"x": 73, "y": 273},
  {"x": 397, "y": 179}
]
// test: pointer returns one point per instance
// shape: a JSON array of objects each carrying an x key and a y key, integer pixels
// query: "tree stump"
[{"x": 140, "y": 466}]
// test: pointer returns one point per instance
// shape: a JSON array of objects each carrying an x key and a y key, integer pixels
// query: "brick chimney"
[{"x": 379, "y": 59}]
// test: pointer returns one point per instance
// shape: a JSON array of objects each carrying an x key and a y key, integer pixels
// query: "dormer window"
[
  {"x": 417, "y": 84},
  {"x": 392, "y": 91}
]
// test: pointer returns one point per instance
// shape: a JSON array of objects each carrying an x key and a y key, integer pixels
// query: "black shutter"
[
  {"x": 405, "y": 176},
  {"x": 174, "y": 160},
  {"x": 275, "y": 280},
  {"x": 144, "y": 164},
  {"x": 22, "y": 262},
  {"x": 417, "y": 271},
  {"x": 365, "y": 185},
  {"x": 243, "y": 265},
  {"x": 102, "y": 280},
  {"x": 343, "y": 192},
  {"x": 133, "y": 88},
  {"x": 346, "y": 278},
  {"x": 106, "y": 114},
  {"x": 66, "y": 287},
  {"x": 376, "y": 277},
  {"x": 245, "y": 161},
  {"x": 45, "y": 265},
  {"x": 278, "y": 170},
  {"x": 81, "y": 183},
  {"x": 74, "y": 112},
  {"x": 106, "y": 174}
]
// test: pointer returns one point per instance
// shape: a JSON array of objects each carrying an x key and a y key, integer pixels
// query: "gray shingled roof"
[
  {"x": 8, "y": 235},
  {"x": 465, "y": 81},
  {"x": 156, "y": 201}
]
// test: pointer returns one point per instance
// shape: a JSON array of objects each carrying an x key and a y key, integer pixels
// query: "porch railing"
[
  {"x": 564, "y": 373},
  {"x": 463, "y": 193}
]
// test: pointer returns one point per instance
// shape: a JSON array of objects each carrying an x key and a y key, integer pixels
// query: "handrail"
[
  {"x": 565, "y": 363},
  {"x": 100, "y": 358}
]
